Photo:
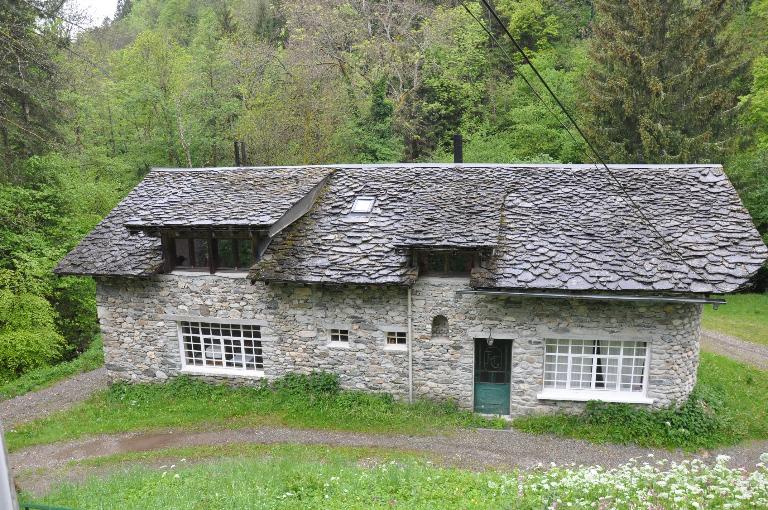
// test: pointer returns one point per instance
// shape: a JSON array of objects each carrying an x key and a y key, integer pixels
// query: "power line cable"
[
  {"x": 520, "y": 73},
  {"x": 597, "y": 155}
]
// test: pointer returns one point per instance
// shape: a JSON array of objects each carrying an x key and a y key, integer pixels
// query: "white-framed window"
[
  {"x": 397, "y": 340},
  {"x": 615, "y": 370},
  {"x": 210, "y": 347},
  {"x": 339, "y": 337},
  {"x": 363, "y": 205}
]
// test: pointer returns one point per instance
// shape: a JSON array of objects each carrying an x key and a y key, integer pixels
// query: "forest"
[{"x": 86, "y": 111}]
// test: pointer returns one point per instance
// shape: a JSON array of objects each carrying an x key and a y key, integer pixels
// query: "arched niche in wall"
[{"x": 439, "y": 326}]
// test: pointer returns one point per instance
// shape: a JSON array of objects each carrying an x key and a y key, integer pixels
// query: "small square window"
[
  {"x": 363, "y": 205},
  {"x": 397, "y": 339},
  {"x": 340, "y": 336}
]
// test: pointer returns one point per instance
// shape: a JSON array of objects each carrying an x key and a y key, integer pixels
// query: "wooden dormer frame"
[{"x": 169, "y": 237}]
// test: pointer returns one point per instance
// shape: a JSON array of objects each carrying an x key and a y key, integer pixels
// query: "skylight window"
[{"x": 363, "y": 205}]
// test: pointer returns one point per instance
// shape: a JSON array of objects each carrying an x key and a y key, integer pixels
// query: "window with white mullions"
[
  {"x": 221, "y": 347},
  {"x": 397, "y": 340},
  {"x": 340, "y": 336},
  {"x": 596, "y": 365}
]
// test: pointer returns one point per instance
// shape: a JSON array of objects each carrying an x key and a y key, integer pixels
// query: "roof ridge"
[{"x": 362, "y": 166}]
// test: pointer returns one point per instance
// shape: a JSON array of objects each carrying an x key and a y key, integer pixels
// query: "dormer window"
[
  {"x": 446, "y": 262},
  {"x": 363, "y": 205},
  {"x": 210, "y": 253},
  {"x": 191, "y": 253}
]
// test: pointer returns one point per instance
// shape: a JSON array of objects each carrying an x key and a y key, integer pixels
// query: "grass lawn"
[
  {"x": 319, "y": 477},
  {"x": 745, "y": 316},
  {"x": 732, "y": 406},
  {"x": 43, "y": 377},
  {"x": 296, "y": 401}
]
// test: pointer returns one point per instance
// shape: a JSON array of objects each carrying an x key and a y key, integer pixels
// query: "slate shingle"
[
  {"x": 185, "y": 198},
  {"x": 565, "y": 227},
  {"x": 575, "y": 230},
  {"x": 233, "y": 196}
]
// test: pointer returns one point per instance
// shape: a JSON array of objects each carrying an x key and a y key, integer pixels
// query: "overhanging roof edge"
[{"x": 595, "y": 297}]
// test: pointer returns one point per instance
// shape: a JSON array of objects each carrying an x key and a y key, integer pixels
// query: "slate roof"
[
  {"x": 557, "y": 227},
  {"x": 571, "y": 228},
  {"x": 217, "y": 197},
  {"x": 415, "y": 206},
  {"x": 185, "y": 198}
]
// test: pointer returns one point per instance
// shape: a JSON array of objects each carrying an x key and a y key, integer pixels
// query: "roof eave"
[{"x": 648, "y": 298}]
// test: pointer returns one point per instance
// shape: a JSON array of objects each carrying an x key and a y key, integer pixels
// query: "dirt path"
[
  {"x": 735, "y": 348},
  {"x": 473, "y": 449},
  {"x": 49, "y": 400}
]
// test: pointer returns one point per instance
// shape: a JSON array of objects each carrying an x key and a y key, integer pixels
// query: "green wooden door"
[{"x": 492, "y": 376}]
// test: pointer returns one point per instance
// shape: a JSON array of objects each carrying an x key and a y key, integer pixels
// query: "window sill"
[
  {"x": 603, "y": 396},
  {"x": 225, "y": 274},
  {"x": 249, "y": 374},
  {"x": 436, "y": 277},
  {"x": 396, "y": 348},
  {"x": 338, "y": 345}
]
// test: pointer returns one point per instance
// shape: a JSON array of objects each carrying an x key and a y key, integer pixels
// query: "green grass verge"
[
  {"x": 195, "y": 454},
  {"x": 745, "y": 316},
  {"x": 291, "y": 477},
  {"x": 295, "y": 401},
  {"x": 329, "y": 478},
  {"x": 43, "y": 377},
  {"x": 729, "y": 405}
]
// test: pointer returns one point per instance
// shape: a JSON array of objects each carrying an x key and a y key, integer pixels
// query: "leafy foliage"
[
  {"x": 662, "y": 85},
  {"x": 42, "y": 377},
  {"x": 28, "y": 338},
  {"x": 28, "y": 78}
]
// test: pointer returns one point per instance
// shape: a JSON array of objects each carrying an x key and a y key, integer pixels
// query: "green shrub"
[
  {"x": 701, "y": 422},
  {"x": 28, "y": 337},
  {"x": 316, "y": 383},
  {"x": 74, "y": 300},
  {"x": 22, "y": 350},
  {"x": 701, "y": 415}
]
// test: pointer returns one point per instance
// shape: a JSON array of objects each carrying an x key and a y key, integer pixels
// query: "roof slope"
[
  {"x": 221, "y": 196},
  {"x": 413, "y": 207},
  {"x": 573, "y": 228},
  {"x": 553, "y": 227},
  {"x": 185, "y": 198},
  {"x": 548, "y": 226}
]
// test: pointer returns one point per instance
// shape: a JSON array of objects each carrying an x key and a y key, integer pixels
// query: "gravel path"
[
  {"x": 474, "y": 449},
  {"x": 49, "y": 400},
  {"x": 740, "y": 350}
]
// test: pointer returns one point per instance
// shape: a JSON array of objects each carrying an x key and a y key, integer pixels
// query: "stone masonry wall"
[{"x": 138, "y": 320}]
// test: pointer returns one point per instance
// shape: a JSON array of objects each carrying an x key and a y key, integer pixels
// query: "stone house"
[{"x": 507, "y": 288}]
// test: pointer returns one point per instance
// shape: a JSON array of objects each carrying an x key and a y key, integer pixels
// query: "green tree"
[
  {"x": 372, "y": 136},
  {"x": 660, "y": 80},
  {"x": 748, "y": 166},
  {"x": 29, "y": 77},
  {"x": 123, "y": 9}
]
